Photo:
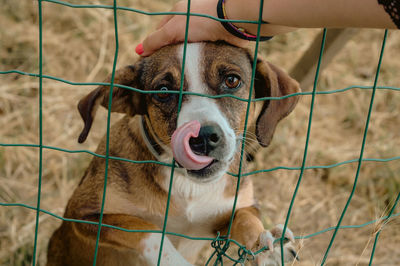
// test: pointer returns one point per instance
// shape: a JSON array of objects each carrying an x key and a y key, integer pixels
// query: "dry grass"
[{"x": 79, "y": 46}]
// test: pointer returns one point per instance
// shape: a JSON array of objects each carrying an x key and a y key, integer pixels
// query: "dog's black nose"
[{"x": 209, "y": 138}]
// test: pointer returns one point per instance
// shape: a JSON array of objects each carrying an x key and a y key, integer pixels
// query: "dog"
[{"x": 205, "y": 140}]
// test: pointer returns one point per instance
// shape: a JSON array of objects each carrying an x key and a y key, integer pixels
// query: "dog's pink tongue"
[{"x": 183, "y": 154}]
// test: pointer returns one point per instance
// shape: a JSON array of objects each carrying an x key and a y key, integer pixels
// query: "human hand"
[
  {"x": 172, "y": 28},
  {"x": 283, "y": 16}
]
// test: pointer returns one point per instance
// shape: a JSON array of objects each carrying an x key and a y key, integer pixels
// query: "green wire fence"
[{"x": 220, "y": 243}]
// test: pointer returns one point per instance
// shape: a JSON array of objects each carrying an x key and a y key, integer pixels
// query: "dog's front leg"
[
  {"x": 170, "y": 256},
  {"x": 248, "y": 230},
  {"x": 146, "y": 244},
  {"x": 116, "y": 247}
]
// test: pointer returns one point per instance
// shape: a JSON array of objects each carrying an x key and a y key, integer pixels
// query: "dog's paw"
[{"x": 272, "y": 255}]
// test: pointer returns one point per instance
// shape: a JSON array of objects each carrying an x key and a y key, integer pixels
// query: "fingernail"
[{"x": 139, "y": 49}]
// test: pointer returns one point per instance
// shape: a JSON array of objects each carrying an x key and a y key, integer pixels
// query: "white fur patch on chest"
[{"x": 199, "y": 201}]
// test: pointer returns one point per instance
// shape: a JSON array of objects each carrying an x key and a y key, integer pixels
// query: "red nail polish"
[{"x": 139, "y": 49}]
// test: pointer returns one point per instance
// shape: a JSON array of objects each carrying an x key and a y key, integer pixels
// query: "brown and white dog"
[{"x": 205, "y": 140}]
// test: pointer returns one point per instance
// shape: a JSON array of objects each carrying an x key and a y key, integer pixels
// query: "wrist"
[{"x": 238, "y": 11}]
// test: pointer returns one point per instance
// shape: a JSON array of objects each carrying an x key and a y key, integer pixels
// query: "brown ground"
[{"x": 79, "y": 46}]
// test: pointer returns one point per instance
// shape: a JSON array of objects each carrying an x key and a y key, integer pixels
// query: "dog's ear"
[
  {"x": 271, "y": 81},
  {"x": 123, "y": 100}
]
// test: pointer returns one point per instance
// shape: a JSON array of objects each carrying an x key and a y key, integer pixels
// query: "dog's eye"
[
  {"x": 232, "y": 82},
  {"x": 162, "y": 97}
]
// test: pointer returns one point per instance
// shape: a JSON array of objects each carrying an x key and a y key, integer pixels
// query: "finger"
[
  {"x": 164, "y": 21},
  {"x": 178, "y": 7},
  {"x": 156, "y": 40}
]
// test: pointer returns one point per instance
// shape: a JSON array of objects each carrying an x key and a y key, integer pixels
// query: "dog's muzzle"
[{"x": 199, "y": 148}]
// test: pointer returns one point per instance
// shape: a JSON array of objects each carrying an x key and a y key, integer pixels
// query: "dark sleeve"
[{"x": 392, "y": 7}]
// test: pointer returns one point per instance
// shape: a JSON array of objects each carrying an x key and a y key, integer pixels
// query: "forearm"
[
  {"x": 326, "y": 13},
  {"x": 310, "y": 13},
  {"x": 282, "y": 16}
]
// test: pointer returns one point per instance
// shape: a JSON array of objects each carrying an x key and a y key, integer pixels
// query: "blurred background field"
[{"x": 79, "y": 45}]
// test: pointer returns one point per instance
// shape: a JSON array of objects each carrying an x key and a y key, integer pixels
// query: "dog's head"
[{"x": 205, "y": 136}]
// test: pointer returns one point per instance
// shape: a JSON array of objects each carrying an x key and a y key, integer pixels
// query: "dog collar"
[
  {"x": 148, "y": 138},
  {"x": 151, "y": 141}
]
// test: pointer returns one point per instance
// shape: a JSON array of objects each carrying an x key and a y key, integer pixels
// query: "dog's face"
[{"x": 205, "y": 136}]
